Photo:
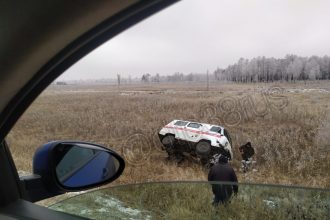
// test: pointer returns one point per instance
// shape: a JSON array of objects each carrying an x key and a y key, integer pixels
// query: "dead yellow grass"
[{"x": 289, "y": 128}]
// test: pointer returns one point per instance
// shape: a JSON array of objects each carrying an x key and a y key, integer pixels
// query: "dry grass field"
[{"x": 288, "y": 124}]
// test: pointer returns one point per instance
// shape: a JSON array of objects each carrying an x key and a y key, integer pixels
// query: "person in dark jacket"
[
  {"x": 247, "y": 152},
  {"x": 223, "y": 172}
]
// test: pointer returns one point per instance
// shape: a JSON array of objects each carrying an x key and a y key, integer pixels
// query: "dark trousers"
[{"x": 222, "y": 194}]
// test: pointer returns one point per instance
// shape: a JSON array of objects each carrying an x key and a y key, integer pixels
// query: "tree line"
[
  {"x": 175, "y": 77},
  {"x": 259, "y": 69},
  {"x": 290, "y": 68}
]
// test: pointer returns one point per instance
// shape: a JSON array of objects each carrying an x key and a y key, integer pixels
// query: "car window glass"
[
  {"x": 215, "y": 129},
  {"x": 255, "y": 201},
  {"x": 180, "y": 123},
  {"x": 194, "y": 125}
]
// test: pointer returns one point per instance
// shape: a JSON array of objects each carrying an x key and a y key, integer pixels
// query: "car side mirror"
[
  {"x": 79, "y": 165},
  {"x": 64, "y": 166}
]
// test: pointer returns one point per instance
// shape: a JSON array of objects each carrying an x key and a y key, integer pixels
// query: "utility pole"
[
  {"x": 118, "y": 80},
  {"x": 207, "y": 80}
]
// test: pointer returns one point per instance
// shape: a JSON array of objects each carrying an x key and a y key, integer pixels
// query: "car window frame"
[{"x": 39, "y": 81}]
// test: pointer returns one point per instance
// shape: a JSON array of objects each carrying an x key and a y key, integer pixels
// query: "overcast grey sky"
[{"x": 196, "y": 35}]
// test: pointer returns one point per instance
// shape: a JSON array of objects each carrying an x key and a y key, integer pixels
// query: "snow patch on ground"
[
  {"x": 113, "y": 203},
  {"x": 307, "y": 90},
  {"x": 103, "y": 207},
  {"x": 23, "y": 173},
  {"x": 75, "y": 193}
]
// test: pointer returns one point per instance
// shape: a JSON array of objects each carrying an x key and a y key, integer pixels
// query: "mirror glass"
[{"x": 80, "y": 165}]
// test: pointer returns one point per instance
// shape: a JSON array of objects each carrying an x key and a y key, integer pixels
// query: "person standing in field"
[
  {"x": 222, "y": 172},
  {"x": 247, "y": 152}
]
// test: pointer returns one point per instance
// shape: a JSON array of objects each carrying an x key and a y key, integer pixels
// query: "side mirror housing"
[{"x": 65, "y": 166}]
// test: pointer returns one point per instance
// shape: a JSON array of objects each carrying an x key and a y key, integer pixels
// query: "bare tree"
[
  {"x": 313, "y": 69},
  {"x": 145, "y": 78}
]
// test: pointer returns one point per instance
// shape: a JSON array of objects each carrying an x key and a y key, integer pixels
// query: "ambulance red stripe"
[{"x": 193, "y": 131}]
